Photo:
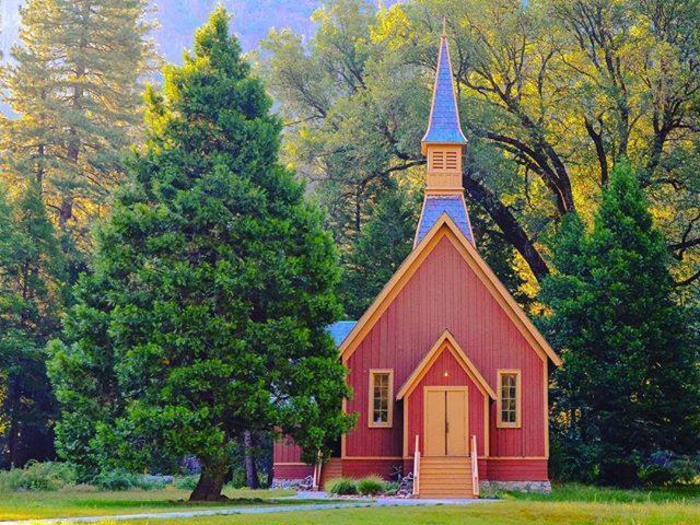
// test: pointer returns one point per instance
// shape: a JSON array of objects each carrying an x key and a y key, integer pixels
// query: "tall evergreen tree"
[
  {"x": 380, "y": 248},
  {"x": 75, "y": 83},
  {"x": 30, "y": 268},
  {"x": 630, "y": 383},
  {"x": 213, "y": 284}
]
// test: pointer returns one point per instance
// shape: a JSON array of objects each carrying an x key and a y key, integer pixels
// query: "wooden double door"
[{"x": 445, "y": 421}]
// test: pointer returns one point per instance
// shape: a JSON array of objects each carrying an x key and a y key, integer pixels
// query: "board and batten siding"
[
  {"x": 456, "y": 376},
  {"x": 444, "y": 293}
]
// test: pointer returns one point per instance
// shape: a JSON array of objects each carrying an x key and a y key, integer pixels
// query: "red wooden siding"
[
  {"x": 516, "y": 470},
  {"x": 292, "y": 471},
  {"x": 360, "y": 468},
  {"x": 456, "y": 376},
  {"x": 444, "y": 293},
  {"x": 287, "y": 461},
  {"x": 285, "y": 451}
]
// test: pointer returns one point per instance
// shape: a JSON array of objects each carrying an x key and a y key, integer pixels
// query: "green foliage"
[
  {"x": 75, "y": 83},
  {"x": 186, "y": 482},
  {"x": 213, "y": 284},
  {"x": 630, "y": 384},
  {"x": 545, "y": 117},
  {"x": 380, "y": 248},
  {"x": 372, "y": 486},
  {"x": 342, "y": 487},
  {"x": 39, "y": 476},
  {"x": 664, "y": 468},
  {"x": 30, "y": 305},
  {"x": 120, "y": 480}
]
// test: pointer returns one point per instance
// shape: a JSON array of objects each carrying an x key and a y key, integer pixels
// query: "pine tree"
[
  {"x": 380, "y": 248},
  {"x": 213, "y": 284},
  {"x": 630, "y": 384},
  {"x": 30, "y": 268},
  {"x": 75, "y": 84}
]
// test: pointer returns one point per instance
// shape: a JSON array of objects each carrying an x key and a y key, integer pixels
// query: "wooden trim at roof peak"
[
  {"x": 445, "y": 227},
  {"x": 445, "y": 342}
]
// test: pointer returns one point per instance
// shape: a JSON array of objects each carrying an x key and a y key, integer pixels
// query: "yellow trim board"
[
  {"x": 445, "y": 227},
  {"x": 518, "y": 398},
  {"x": 445, "y": 342}
]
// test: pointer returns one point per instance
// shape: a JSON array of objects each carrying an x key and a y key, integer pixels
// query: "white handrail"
[
  {"x": 475, "y": 468},
  {"x": 416, "y": 469}
]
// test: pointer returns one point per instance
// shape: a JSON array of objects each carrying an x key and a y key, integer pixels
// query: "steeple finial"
[{"x": 444, "y": 126}]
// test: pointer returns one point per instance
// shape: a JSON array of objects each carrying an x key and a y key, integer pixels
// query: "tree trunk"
[
  {"x": 211, "y": 481},
  {"x": 251, "y": 471},
  {"x": 508, "y": 224}
]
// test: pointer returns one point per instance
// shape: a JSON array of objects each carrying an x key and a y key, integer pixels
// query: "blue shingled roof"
[
  {"x": 433, "y": 208},
  {"x": 444, "y": 125},
  {"x": 340, "y": 330}
]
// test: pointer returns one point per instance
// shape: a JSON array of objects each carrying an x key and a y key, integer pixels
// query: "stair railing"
[
  {"x": 416, "y": 469},
  {"x": 475, "y": 468}
]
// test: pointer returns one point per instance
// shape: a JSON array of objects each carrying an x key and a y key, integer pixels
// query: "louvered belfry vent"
[
  {"x": 438, "y": 160},
  {"x": 451, "y": 161},
  {"x": 443, "y": 144}
]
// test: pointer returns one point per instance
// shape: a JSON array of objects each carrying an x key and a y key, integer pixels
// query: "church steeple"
[
  {"x": 444, "y": 144},
  {"x": 443, "y": 127}
]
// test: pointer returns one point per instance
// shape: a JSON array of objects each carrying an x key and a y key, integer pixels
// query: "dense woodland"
[{"x": 133, "y": 285}]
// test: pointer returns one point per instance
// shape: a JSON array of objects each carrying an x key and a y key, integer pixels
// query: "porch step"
[
  {"x": 446, "y": 477},
  {"x": 331, "y": 470}
]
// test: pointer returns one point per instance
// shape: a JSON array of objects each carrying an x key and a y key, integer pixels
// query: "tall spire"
[
  {"x": 444, "y": 126},
  {"x": 444, "y": 145}
]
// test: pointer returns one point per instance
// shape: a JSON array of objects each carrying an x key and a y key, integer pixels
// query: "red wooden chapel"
[{"x": 449, "y": 375}]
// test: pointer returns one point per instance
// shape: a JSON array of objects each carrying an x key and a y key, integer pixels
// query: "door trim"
[{"x": 427, "y": 389}]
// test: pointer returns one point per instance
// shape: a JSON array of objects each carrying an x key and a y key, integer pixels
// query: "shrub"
[
  {"x": 117, "y": 479},
  {"x": 371, "y": 486},
  {"x": 39, "y": 476},
  {"x": 186, "y": 482},
  {"x": 392, "y": 488},
  {"x": 342, "y": 487},
  {"x": 666, "y": 468}
]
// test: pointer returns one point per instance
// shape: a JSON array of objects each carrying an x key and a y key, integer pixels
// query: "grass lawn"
[
  {"x": 77, "y": 502},
  {"x": 567, "y": 505}
]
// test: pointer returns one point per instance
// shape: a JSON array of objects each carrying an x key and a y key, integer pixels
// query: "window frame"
[
  {"x": 518, "y": 399},
  {"x": 390, "y": 398}
]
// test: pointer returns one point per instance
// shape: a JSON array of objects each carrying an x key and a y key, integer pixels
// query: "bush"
[
  {"x": 117, "y": 479},
  {"x": 392, "y": 488},
  {"x": 371, "y": 486},
  {"x": 120, "y": 479},
  {"x": 666, "y": 468},
  {"x": 186, "y": 482},
  {"x": 342, "y": 487},
  {"x": 39, "y": 476}
]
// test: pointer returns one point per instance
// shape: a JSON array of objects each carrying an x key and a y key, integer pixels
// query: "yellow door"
[
  {"x": 445, "y": 422},
  {"x": 435, "y": 427},
  {"x": 456, "y": 422}
]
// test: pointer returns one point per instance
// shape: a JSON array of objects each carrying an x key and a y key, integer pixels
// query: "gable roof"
[
  {"x": 446, "y": 227},
  {"x": 433, "y": 208},
  {"x": 444, "y": 126},
  {"x": 446, "y": 342}
]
